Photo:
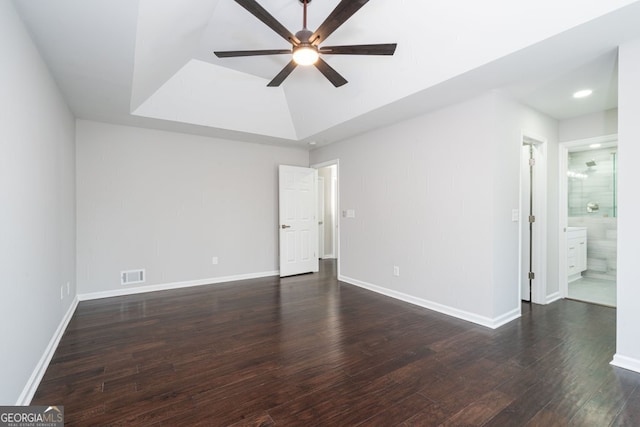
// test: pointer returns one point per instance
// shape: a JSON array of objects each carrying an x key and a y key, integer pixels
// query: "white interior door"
[
  {"x": 334, "y": 216},
  {"x": 527, "y": 209},
  {"x": 320, "y": 217},
  {"x": 533, "y": 228},
  {"x": 298, "y": 224}
]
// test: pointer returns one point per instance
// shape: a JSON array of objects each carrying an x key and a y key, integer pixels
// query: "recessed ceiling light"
[
  {"x": 595, "y": 146},
  {"x": 582, "y": 93},
  {"x": 312, "y": 143}
]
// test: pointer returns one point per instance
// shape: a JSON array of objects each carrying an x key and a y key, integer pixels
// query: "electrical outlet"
[
  {"x": 61, "y": 292},
  {"x": 396, "y": 271},
  {"x": 214, "y": 260}
]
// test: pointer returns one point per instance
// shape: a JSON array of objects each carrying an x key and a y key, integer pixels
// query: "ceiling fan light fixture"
[{"x": 305, "y": 55}]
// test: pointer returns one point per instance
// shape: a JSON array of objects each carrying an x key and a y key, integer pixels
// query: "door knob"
[{"x": 285, "y": 226}]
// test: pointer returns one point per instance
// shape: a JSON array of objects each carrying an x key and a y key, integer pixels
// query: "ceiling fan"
[{"x": 305, "y": 44}]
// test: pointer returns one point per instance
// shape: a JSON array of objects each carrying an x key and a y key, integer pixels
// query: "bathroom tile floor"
[{"x": 598, "y": 291}]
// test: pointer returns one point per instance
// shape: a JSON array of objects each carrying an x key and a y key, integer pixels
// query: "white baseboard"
[
  {"x": 626, "y": 363},
  {"x": 553, "y": 297},
  {"x": 34, "y": 381},
  {"x": 440, "y": 308},
  {"x": 175, "y": 285},
  {"x": 514, "y": 314}
]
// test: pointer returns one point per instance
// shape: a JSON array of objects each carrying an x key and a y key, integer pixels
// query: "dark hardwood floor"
[{"x": 309, "y": 350}]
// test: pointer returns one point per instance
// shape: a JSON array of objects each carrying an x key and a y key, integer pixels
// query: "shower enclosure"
[{"x": 592, "y": 184}]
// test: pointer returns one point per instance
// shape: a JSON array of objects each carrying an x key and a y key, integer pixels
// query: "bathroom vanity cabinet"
[{"x": 576, "y": 252}]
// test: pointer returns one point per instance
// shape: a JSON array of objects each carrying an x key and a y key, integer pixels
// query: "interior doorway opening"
[{"x": 328, "y": 217}]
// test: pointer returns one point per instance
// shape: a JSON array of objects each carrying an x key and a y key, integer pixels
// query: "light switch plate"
[{"x": 515, "y": 215}]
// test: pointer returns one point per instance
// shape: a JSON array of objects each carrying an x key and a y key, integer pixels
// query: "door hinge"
[
  {"x": 532, "y": 275},
  {"x": 532, "y": 219},
  {"x": 532, "y": 162}
]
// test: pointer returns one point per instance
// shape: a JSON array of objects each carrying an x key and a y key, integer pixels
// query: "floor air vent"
[{"x": 131, "y": 276}]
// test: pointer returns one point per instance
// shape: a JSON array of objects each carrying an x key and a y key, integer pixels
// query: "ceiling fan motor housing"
[{"x": 304, "y": 35}]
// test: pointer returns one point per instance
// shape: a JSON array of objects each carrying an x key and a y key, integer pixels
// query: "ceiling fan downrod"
[
  {"x": 304, "y": 34},
  {"x": 304, "y": 15}
]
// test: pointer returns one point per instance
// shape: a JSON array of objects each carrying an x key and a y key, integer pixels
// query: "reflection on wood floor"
[{"x": 309, "y": 350}]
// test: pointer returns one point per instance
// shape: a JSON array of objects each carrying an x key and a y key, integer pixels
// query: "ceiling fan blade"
[
  {"x": 361, "y": 49},
  {"x": 332, "y": 75},
  {"x": 277, "y": 80},
  {"x": 342, "y": 12},
  {"x": 235, "y": 53},
  {"x": 259, "y": 12}
]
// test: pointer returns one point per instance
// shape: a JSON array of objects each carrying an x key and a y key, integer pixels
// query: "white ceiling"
[{"x": 150, "y": 62}]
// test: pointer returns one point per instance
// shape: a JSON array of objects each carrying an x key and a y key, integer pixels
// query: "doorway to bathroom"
[{"x": 591, "y": 203}]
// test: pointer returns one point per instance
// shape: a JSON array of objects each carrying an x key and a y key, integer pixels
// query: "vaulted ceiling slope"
[{"x": 150, "y": 62}]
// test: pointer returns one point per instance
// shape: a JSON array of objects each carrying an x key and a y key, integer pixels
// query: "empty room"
[{"x": 211, "y": 215}]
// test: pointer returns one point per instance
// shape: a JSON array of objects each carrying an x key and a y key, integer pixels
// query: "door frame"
[
  {"x": 540, "y": 212},
  {"x": 338, "y": 218},
  {"x": 563, "y": 204}
]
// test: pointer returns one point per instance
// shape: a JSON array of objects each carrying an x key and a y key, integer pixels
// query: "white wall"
[
  {"x": 433, "y": 196},
  {"x": 37, "y": 208},
  {"x": 589, "y": 126},
  {"x": 628, "y": 312},
  {"x": 169, "y": 202}
]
